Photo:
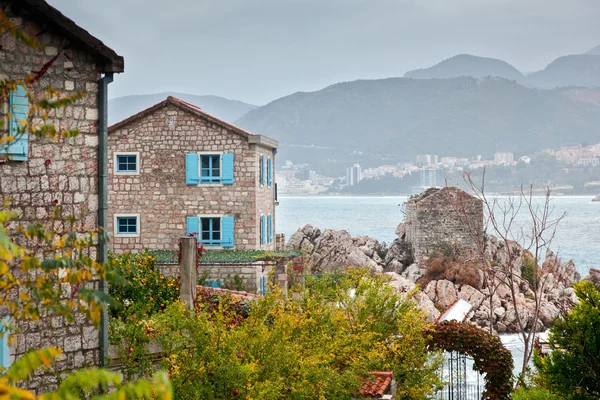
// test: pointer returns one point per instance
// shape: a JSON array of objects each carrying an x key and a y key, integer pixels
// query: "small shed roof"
[{"x": 377, "y": 385}]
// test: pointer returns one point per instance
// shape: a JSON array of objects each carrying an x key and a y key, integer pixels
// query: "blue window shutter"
[
  {"x": 191, "y": 169},
  {"x": 4, "y": 349},
  {"x": 270, "y": 229},
  {"x": 227, "y": 227},
  {"x": 19, "y": 110},
  {"x": 262, "y": 170},
  {"x": 227, "y": 166},
  {"x": 269, "y": 172},
  {"x": 263, "y": 229},
  {"x": 192, "y": 226}
]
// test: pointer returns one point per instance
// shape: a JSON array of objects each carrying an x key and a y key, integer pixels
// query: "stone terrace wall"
[
  {"x": 159, "y": 193},
  {"x": 441, "y": 216},
  {"x": 250, "y": 272},
  {"x": 69, "y": 179}
]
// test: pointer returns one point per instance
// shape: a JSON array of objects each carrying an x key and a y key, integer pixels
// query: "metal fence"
[{"x": 461, "y": 382}]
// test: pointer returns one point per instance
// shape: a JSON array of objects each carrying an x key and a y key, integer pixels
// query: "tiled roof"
[
  {"x": 378, "y": 385},
  {"x": 234, "y": 293},
  {"x": 191, "y": 108},
  {"x": 44, "y": 12}
]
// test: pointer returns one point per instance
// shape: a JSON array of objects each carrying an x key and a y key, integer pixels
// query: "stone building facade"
[
  {"x": 439, "y": 217},
  {"x": 38, "y": 174},
  {"x": 176, "y": 170}
]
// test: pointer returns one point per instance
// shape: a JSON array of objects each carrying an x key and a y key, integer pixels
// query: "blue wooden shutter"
[
  {"x": 263, "y": 229},
  {"x": 270, "y": 229},
  {"x": 227, "y": 228},
  {"x": 227, "y": 166},
  {"x": 4, "y": 349},
  {"x": 191, "y": 169},
  {"x": 19, "y": 111},
  {"x": 262, "y": 170},
  {"x": 269, "y": 172},
  {"x": 192, "y": 226}
]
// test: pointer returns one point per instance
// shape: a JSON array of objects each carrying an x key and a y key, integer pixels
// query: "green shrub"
[
  {"x": 145, "y": 290},
  {"x": 530, "y": 271},
  {"x": 534, "y": 394}
]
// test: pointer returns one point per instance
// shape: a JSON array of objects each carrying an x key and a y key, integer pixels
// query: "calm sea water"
[{"x": 577, "y": 237}]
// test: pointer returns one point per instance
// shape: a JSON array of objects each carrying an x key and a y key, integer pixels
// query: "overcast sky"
[{"x": 259, "y": 50}]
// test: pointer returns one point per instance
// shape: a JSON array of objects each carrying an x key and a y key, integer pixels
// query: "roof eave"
[{"x": 264, "y": 141}]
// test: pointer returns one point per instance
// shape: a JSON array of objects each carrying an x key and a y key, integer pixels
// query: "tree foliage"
[
  {"x": 318, "y": 345},
  {"x": 573, "y": 368}
]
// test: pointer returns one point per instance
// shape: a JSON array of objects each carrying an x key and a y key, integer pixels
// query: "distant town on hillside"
[{"x": 571, "y": 169}]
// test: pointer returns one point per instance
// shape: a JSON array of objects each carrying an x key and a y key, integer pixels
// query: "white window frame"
[
  {"x": 127, "y": 235},
  {"x": 126, "y": 153},
  {"x": 210, "y": 153}
]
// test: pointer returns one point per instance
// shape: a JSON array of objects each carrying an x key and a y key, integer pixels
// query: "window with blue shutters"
[
  {"x": 127, "y": 225},
  {"x": 262, "y": 170},
  {"x": 4, "y": 349},
  {"x": 270, "y": 229},
  {"x": 18, "y": 148},
  {"x": 212, "y": 231},
  {"x": 126, "y": 163},
  {"x": 269, "y": 172},
  {"x": 209, "y": 169}
]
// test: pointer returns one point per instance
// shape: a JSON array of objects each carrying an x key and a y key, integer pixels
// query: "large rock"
[
  {"x": 400, "y": 283},
  {"x": 413, "y": 273},
  {"x": 564, "y": 272},
  {"x": 399, "y": 256},
  {"x": 442, "y": 293},
  {"x": 330, "y": 249}
]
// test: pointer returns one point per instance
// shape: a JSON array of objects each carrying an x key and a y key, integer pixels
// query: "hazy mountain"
[
  {"x": 573, "y": 70},
  {"x": 398, "y": 118},
  {"x": 467, "y": 65},
  {"x": 120, "y": 108},
  {"x": 594, "y": 52}
]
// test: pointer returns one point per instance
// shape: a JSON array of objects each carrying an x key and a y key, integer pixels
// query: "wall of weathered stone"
[
  {"x": 159, "y": 193},
  {"x": 250, "y": 272},
  {"x": 59, "y": 172},
  {"x": 445, "y": 216}
]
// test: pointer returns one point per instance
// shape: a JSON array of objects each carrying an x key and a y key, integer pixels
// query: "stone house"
[
  {"x": 439, "y": 217},
  {"x": 37, "y": 174},
  {"x": 175, "y": 170}
]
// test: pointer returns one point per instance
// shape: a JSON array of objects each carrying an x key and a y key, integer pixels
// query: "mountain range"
[
  {"x": 463, "y": 106},
  {"x": 397, "y": 118},
  {"x": 120, "y": 108},
  {"x": 571, "y": 70}
]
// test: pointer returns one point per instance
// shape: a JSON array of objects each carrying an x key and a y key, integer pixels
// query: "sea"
[{"x": 577, "y": 235}]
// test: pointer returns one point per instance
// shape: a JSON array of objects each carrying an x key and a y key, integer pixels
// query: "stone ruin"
[{"x": 442, "y": 216}]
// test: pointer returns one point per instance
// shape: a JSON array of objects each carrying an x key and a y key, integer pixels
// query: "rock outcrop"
[
  {"x": 330, "y": 249},
  {"x": 597, "y": 198},
  {"x": 492, "y": 299}
]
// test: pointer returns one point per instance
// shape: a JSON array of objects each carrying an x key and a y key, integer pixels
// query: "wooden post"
[{"x": 187, "y": 269}]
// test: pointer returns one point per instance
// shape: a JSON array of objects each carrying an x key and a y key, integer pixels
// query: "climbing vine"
[{"x": 490, "y": 357}]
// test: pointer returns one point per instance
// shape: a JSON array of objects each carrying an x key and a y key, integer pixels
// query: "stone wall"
[
  {"x": 159, "y": 193},
  {"x": 59, "y": 172},
  {"x": 250, "y": 272},
  {"x": 443, "y": 216}
]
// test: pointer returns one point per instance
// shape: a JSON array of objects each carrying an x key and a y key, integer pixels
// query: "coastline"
[{"x": 333, "y": 196}]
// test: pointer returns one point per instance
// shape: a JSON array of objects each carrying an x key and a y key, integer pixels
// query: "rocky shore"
[{"x": 329, "y": 249}]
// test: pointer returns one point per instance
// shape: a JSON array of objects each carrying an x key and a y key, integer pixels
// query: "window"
[
  {"x": 210, "y": 168},
  {"x": 210, "y": 231},
  {"x": 4, "y": 348},
  {"x": 127, "y": 225},
  {"x": 126, "y": 163}
]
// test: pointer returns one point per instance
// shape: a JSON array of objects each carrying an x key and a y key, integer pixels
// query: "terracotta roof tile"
[{"x": 378, "y": 385}]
